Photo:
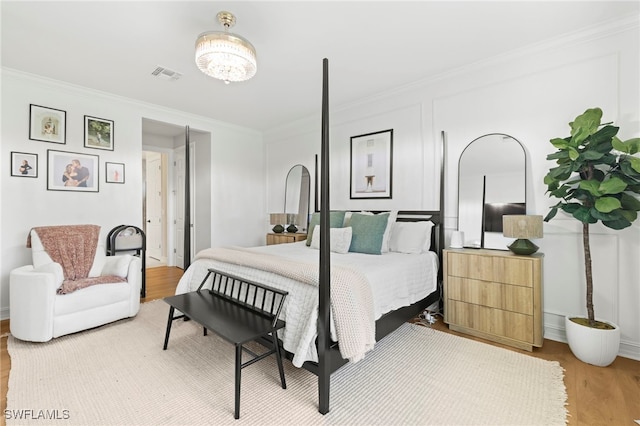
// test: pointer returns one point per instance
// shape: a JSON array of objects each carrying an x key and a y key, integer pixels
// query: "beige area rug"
[{"x": 119, "y": 375}]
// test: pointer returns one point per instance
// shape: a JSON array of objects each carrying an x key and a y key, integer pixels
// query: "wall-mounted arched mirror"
[
  {"x": 491, "y": 183},
  {"x": 296, "y": 195}
]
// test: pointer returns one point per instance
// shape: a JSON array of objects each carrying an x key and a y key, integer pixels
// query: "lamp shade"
[
  {"x": 522, "y": 226},
  {"x": 277, "y": 218}
]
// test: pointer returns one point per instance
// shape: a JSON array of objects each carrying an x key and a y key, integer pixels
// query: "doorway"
[
  {"x": 168, "y": 140},
  {"x": 154, "y": 207}
]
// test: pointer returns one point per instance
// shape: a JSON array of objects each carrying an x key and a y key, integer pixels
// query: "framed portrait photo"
[
  {"x": 98, "y": 133},
  {"x": 114, "y": 172},
  {"x": 72, "y": 171},
  {"x": 372, "y": 165},
  {"x": 24, "y": 164},
  {"x": 47, "y": 124}
]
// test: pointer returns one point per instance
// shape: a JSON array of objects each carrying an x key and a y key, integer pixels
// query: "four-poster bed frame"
[{"x": 329, "y": 358}]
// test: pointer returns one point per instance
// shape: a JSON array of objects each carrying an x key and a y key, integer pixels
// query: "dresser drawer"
[
  {"x": 493, "y": 321},
  {"x": 507, "y": 270},
  {"x": 495, "y": 295}
]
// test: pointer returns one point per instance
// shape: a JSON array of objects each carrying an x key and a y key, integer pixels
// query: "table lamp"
[
  {"x": 522, "y": 227},
  {"x": 278, "y": 219},
  {"x": 292, "y": 220}
]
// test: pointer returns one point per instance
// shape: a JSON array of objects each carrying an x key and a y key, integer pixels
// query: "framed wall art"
[
  {"x": 24, "y": 164},
  {"x": 72, "y": 171},
  {"x": 47, "y": 124},
  {"x": 372, "y": 165},
  {"x": 114, "y": 172},
  {"x": 98, "y": 133}
]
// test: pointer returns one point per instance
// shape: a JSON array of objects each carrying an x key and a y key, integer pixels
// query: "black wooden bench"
[{"x": 238, "y": 310}]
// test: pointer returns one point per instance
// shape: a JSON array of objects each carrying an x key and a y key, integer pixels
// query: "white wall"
[
  {"x": 236, "y": 175},
  {"x": 531, "y": 95}
]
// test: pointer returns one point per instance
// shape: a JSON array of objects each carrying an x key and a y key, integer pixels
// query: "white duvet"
[{"x": 396, "y": 280}]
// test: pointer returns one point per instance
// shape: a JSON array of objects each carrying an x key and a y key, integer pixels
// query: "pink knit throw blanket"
[{"x": 74, "y": 248}]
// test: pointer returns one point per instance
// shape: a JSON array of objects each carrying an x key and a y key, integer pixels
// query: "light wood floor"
[{"x": 596, "y": 396}]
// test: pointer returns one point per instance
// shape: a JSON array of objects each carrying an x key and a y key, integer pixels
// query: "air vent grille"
[{"x": 166, "y": 73}]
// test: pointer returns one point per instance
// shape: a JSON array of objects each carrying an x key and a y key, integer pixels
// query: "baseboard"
[{"x": 4, "y": 313}]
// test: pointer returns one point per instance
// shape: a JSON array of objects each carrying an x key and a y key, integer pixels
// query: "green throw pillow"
[
  {"x": 336, "y": 220},
  {"x": 368, "y": 231}
]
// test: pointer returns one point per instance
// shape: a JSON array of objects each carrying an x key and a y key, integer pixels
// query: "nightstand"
[
  {"x": 285, "y": 237},
  {"x": 495, "y": 295}
]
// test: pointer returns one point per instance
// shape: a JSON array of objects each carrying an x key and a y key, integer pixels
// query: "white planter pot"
[{"x": 593, "y": 346}]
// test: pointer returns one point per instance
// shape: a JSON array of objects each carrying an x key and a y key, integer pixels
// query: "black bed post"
[
  {"x": 324, "y": 333},
  {"x": 186, "y": 256}
]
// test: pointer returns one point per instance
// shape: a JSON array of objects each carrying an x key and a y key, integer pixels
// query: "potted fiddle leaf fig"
[{"x": 596, "y": 179}]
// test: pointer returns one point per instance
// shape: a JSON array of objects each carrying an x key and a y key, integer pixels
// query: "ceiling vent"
[{"x": 166, "y": 73}]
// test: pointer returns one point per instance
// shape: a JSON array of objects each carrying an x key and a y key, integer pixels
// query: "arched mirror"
[
  {"x": 491, "y": 183},
  {"x": 296, "y": 196}
]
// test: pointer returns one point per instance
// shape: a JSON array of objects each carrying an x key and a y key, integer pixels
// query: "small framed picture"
[
  {"x": 114, "y": 172},
  {"x": 24, "y": 164},
  {"x": 372, "y": 165},
  {"x": 98, "y": 133},
  {"x": 47, "y": 124},
  {"x": 72, "y": 171}
]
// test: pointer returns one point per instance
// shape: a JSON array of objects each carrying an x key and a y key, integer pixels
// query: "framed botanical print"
[
  {"x": 98, "y": 133},
  {"x": 47, "y": 124},
  {"x": 72, "y": 171},
  {"x": 372, "y": 165},
  {"x": 24, "y": 164},
  {"x": 114, "y": 172}
]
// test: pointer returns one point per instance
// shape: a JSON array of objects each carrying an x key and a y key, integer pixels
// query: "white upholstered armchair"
[{"x": 72, "y": 285}]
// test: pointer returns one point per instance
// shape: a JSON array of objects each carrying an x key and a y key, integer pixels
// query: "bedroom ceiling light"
[{"x": 224, "y": 55}]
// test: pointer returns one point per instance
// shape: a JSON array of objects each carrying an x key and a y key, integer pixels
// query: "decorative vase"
[
  {"x": 591, "y": 345},
  {"x": 278, "y": 229},
  {"x": 292, "y": 228}
]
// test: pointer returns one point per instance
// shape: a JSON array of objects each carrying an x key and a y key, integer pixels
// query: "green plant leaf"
[
  {"x": 629, "y": 202},
  {"x": 614, "y": 185},
  {"x": 584, "y": 216},
  {"x": 552, "y": 213},
  {"x": 630, "y": 215},
  {"x": 558, "y": 155},
  {"x": 617, "y": 224},
  {"x": 559, "y": 143},
  {"x": 635, "y": 163},
  {"x": 561, "y": 172},
  {"x": 573, "y": 153},
  {"x": 560, "y": 192},
  {"x": 603, "y": 136},
  {"x": 614, "y": 215},
  {"x": 592, "y": 155},
  {"x": 585, "y": 125},
  {"x": 607, "y": 204},
  {"x": 632, "y": 146},
  {"x": 592, "y": 186},
  {"x": 571, "y": 207}
]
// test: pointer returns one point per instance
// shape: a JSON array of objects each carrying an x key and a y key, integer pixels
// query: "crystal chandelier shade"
[{"x": 225, "y": 56}]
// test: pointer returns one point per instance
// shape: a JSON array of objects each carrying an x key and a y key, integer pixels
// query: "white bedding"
[{"x": 396, "y": 280}]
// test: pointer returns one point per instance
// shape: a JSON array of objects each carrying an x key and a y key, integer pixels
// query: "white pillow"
[
  {"x": 117, "y": 265},
  {"x": 340, "y": 239},
  {"x": 393, "y": 215},
  {"x": 411, "y": 237}
]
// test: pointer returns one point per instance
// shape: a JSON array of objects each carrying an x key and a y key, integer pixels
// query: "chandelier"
[{"x": 224, "y": 55}]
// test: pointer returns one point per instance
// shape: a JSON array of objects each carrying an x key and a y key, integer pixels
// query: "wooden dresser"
[
  {"x": 495, "y": 295},
  {"x": 285, "y": 237}
]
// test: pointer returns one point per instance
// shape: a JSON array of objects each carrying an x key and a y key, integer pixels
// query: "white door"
[{"x": 154, "y": 208}]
